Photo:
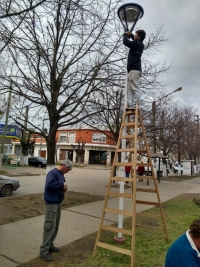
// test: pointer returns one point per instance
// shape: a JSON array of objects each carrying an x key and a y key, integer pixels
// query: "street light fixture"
[{"x": 129, "y": 14}]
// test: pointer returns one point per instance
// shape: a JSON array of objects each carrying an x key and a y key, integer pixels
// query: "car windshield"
[{"x": 42, "y": 159}]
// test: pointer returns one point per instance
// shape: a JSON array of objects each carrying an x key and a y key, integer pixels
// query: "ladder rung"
[
  {"x": 113, "y": 248},
  {"x": 147, "y": 190},
  {"x": 130, "y": 149},
  {"x": 129, "y": 136},
  {"x": 147, "y": 202},
  {"x": 121, "y": 179},
  {"x": 132, "y": 123},
  {"x": 129, "y": 112},
  {"x": 149, "y": 227},
  {"x": 115, "y": 229},
  {"x": 132, "y": 136},
  {"x": 115, "y": 194},
  {"x": 123, "y": 163},
  {"x": 142, "y": 151},
  {"x": 122, "y": 212},
  {"x": 147, "y": 215}
]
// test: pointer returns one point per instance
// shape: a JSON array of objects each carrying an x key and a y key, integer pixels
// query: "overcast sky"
[{"x": 182, "y": 27}]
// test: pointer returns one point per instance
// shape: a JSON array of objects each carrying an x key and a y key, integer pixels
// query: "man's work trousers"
[
  {"x": 133, "y": 88},
  {"x": 51, "y": 225}
]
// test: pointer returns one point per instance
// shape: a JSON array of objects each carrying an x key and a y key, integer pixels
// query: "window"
[
  {"x": 99, "y": 137},
  {"x": 31, "y": 151},
  {"x": 71, "y": 137},
  {"x": 63, "y": 137}
]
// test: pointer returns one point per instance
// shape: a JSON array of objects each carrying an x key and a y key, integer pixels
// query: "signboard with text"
[{"x": 13, "y": 131}]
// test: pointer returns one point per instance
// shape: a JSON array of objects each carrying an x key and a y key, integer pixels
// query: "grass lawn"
[{"x": 151, "y": 247}]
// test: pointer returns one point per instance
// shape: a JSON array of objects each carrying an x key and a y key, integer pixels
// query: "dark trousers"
[{"x": 51, "y": 225}]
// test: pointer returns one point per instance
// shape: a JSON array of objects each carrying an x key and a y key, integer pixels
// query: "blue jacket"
[
  {"x": 181, "y": 254},
  {"x": 54, "y": 193}
]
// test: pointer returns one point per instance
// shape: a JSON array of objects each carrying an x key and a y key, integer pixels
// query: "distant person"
[
  {"x": 184, "y": 252},
  {"x": 127, "y": 171},
  {"x": 55, "y": 188},
  {"x": 141, "y": 171},
  {"x": 134, "y": 65}
]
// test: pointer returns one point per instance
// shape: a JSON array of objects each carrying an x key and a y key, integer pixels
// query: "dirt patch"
[{"x": 17, "y": 208}]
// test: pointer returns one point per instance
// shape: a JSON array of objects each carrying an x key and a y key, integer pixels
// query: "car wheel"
[
  {"x": 40, "y": 165},
  {"x": 6, "y": 191}
]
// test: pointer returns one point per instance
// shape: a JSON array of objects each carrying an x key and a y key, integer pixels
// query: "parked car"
[
  {"x": 8, "y": 157},
  {"x": 37, "y": 162},
  {"x": 176, "y": 168},
  {"x": 8, "y": 185}
]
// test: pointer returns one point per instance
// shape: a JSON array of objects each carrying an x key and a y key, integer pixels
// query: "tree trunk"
[{"x": 51, "y": 148}]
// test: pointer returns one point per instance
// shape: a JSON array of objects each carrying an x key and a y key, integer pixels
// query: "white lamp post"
[{"x": 129, "y": 14}]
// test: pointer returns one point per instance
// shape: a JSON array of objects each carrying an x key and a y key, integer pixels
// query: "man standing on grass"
[
  {"x": 184, "y": 252},
  {"x": 55, "y": 188}
]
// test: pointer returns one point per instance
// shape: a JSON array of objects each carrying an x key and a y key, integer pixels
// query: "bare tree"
[
  {"x": 60, "y": 55},
  {"x": 12, "y": 13},
  {"x": 10, "y": 8}
]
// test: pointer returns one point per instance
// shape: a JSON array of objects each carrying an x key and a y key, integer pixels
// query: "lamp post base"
[{"x": 117, "y": 240}]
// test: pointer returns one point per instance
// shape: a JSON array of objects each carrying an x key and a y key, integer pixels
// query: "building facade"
[{"x": 99, "y": 147}]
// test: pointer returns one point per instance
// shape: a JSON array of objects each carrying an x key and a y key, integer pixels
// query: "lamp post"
[
  {"x": 5, "y": 125},
  {"x": 154, "y": 124},
  {"x": 129, "y": 14}
]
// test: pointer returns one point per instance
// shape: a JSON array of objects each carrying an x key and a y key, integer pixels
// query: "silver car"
[{"x": 8, "y": 185}]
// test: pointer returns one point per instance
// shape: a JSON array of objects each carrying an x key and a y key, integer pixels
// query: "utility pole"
[
  {"x": 197, "y": 157},
  {"x": 154, "y": 133},
  {"x": 5, "y": 126},
  {"x": 24, "y": 158}
]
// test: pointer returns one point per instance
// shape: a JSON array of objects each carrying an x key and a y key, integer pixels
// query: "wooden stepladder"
[{"x": 133, "y": 131}]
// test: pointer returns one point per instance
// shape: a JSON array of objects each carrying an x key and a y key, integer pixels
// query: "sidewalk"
[
  {"x": 20, "y": 241},
  {"x": 33, "y": 171}
]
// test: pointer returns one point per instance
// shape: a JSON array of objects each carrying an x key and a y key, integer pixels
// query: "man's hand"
[
  {"x": 64, "y": 187},
  {"x": 129, "y": 33}
]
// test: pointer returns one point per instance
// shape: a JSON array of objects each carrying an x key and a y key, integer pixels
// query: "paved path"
[{"x": 20, "y": 241}]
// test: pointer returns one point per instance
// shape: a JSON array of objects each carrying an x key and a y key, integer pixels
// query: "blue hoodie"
[
  {"x": 54, "y": 193},
  {"x": 181, "y": 254}
]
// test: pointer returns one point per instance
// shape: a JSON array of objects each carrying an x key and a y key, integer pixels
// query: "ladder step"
[
  {"x": 132, "y": 123},
  {"x": 115, "y": 194},
  {"x": 147, "y": 190},
  {"x": 122, "y": 212},
  {"x": 149, "y": 227},
  {"x": 121, "y": 179},
  {"x": 131, "y": 164},
  {"x": 147, "y": 203},
  {"x": 130, "y": 149},
  {"x": 115, "y": 178},
  {"x": 129, "y": 136},
  {"x": 142, "y": 151},
  {"x": 113, "y": 248},
  {"x": 132, "y": 136},
  {"x": 116, "y": 230},
  {"x": 147, "y": 215},
  {"x": 130, "y": 112}
]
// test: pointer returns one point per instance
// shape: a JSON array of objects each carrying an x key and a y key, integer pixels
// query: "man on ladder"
[{"x": 134, "y": 65}]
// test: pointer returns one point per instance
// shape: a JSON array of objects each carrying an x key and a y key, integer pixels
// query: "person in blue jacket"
[
  {"x": 184, "y": 252},
  {"x": 55, "y": 188},
  {"x": 134, "y": 68}
]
